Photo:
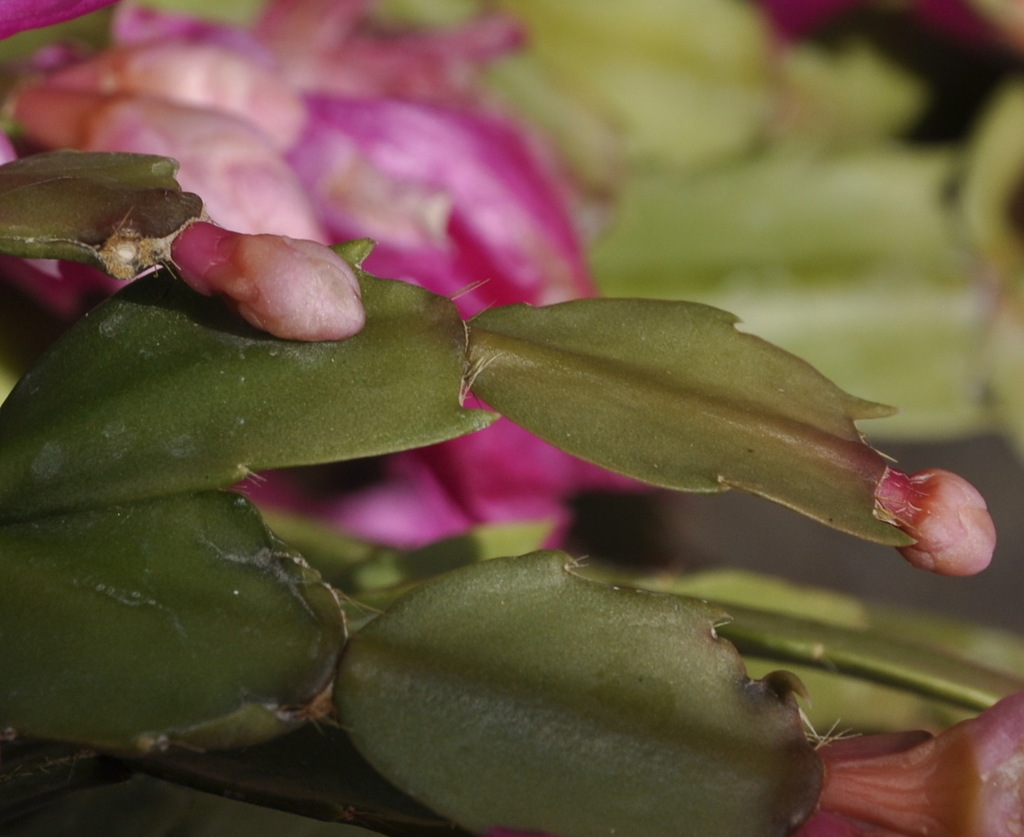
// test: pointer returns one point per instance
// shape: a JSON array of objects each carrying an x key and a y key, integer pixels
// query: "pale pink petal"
[
  {"x": 200, "y": 75},
  {"x": 333, "y": 47},
  {"x": 7, "y": 152},
  {"x": 244, "y": 182}
]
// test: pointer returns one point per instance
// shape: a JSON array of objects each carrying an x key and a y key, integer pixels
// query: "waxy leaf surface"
[
  {"x": 672, "y": 394},
  {"x": 114, "y": 211},
  {"x": 514, "y": 693},
  {"x": 161, "y": 390},
  {"x": 177, "y": 620}
]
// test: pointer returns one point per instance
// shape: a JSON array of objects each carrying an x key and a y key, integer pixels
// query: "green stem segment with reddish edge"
[{"x": 945, "y": 515}]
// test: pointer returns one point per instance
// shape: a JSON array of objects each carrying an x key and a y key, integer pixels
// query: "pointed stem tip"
[{"x": 946, "y": 516}]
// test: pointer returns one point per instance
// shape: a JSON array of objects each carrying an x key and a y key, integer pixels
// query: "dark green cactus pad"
[
  {"x": 118, "y": 212},
  {"x": 515, "y": 693},
  {"x": 182, "y": 620}
]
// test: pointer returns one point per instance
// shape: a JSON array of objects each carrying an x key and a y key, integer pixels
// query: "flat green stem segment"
[
  {"x": 515, "y": 693},
  {"x": 180, "y": 620},
  {"x": 672, "y": 394},
  {"x": 114, "y": 211},
  {"x": 161, "y": 391}
]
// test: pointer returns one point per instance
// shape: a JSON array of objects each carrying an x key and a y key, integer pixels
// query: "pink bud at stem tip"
[
  {"x": 291, "y": 288},
  {"x": 946, "y": 516}
]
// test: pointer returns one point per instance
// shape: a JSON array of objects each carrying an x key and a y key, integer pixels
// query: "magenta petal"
[
  {"x": 7, "y": 152},
  {"x": 410, "y": 508},
  {"x": 957, "y": 18},
  {"x": 19, "y": 15},
  {"x": 796, "y": 18},
  {"x": 335, "y": 47},
  {"x": 67, "y": 289},
  {"x": 502, "y": 211}
]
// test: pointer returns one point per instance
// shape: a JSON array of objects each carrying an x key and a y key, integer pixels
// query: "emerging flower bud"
[
  {"x": 944, "y": 513},
  {"x": 295, "y": 289},
  {"x": 966, "y": 782}
]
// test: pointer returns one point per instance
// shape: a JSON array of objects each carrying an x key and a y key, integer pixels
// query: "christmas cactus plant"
[{"x": 323, "y": 238}]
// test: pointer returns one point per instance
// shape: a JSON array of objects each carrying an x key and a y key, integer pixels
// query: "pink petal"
[
  {"x": 334, "y": 47},
  {"x": 200, "y": 75},
  {"x": 504, "y": 217},
  {"x": 244, "y": 182},
  {"x": 797, "y": 18},
  {"x": 137, "y": 24},
  {"x": 7, "y": 152},
  {"x": 67, "y": 289}
]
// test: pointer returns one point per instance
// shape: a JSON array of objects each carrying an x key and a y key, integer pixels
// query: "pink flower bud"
[
  {"x": 966, "y": 782},
  {"x": 945, "y": 515},
  {"x": 294, "y": 289}
]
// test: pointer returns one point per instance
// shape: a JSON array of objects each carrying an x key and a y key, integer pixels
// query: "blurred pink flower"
[
  {"x": 965, "y": 782},
  {"x": 323, "y": 124},
  {"x": 19, "y": 15}
]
